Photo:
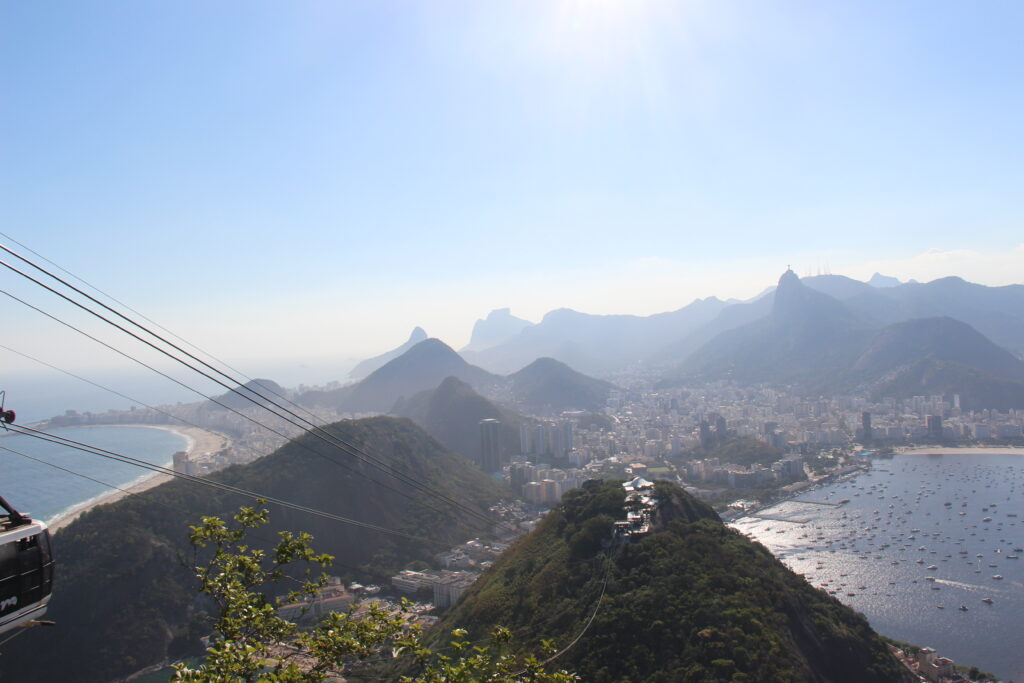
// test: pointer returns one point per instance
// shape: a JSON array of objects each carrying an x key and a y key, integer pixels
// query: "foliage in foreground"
[{"x": 251, "y": 642}]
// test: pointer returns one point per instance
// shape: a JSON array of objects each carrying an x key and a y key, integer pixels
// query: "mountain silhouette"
[
  {"x": 550, "y": 386},
  {"x": 422, "y": 367},
  {"x": 365, "y": 367},
  {"x": 499, "y": 326}
]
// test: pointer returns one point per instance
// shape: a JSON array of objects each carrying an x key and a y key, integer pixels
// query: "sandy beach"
[
  {"x": 966, "y": 450},
  {"x": 199, "y": 442}
]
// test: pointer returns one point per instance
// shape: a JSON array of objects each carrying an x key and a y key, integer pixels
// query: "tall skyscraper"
[
  {"x": 526, "y": 439},
  {"x": 568, "y": 429},
  {"x": 720, "y": 427},
  {"x": 518, "y": 474},
  {"x": 865, "y": 426},
  {"x": 490, "y": 445},
  {"x": 705, "y": 434},
  {"x": 540, "y": 440}
]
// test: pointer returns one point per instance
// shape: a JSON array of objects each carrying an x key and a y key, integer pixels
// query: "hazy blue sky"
[{"x": 297, "y": 181}]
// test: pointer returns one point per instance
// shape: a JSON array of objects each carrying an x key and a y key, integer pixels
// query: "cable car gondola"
[
  {"x": 26, "y": 563},
  {"x": 26, "y": 568}
]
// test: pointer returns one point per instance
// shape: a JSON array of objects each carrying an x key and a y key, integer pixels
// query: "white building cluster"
[
  {"x": 447, "y": 585},
  {"x": 711, "y": 471},
  {"x": 639, "y": 507}
]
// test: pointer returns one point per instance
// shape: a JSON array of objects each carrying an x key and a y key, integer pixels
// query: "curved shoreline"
[
  {"x": 958, "y": 450},
  {"x": 197, "y": 441}
]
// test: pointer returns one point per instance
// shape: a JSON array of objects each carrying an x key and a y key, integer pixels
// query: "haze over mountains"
[
  {"x": 499, "y": 326},
  {"x": 545, "y": 386},
  {"x": 549, "y": 386},
  {"x": 595, "y": 344},
  {"x": 818, "y": 344},
  {"x": 825, "y": 333},
  {"x": 256, "y": 391},
  {"x": 365, "y": 367}
]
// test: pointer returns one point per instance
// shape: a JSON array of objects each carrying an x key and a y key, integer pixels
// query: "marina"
[{"x": 915, "y": 535}]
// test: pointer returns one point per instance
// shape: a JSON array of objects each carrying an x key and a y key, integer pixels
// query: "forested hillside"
[
  {"x": 451, "y": 413},
  {"x": 124, "y": 599},
  {"x": 692, "y": 601}
]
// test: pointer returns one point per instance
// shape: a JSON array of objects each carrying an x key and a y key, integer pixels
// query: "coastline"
[
  {"x": 197, "y": 442},
  {"x": 954, "y": 450}
]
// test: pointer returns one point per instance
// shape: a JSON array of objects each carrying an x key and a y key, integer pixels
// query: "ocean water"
[
  {"x": 921, "y": 536},
  {"x": 45, "y": 492}
]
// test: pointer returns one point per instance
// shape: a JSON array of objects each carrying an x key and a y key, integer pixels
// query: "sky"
[{"x": 296, "y": 185}]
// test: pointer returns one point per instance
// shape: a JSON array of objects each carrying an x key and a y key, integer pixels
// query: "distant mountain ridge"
[
  {"x": 544, "y": 386},
  {"x": 595, "y": 344},
  {"x": 943, "y": 339},
  {"x": 848, "y": 312},
  {"x": 550, "y": 386},
  {"x": 365, "y": 367},
  {"x": 602, "y": 345},
  {"x": 420, "y": 368},
  {"x": 996, "y": 312},
  {"x": 262, "y": 392},
  {"x": 818, "y": 344},
  {"x": 499, "y": 326},
  {"x": 879, "y": 280}
]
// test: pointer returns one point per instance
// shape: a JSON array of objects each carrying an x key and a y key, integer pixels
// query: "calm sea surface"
[
  {"x": 45, "y": 492},
  {"x": 921, "y": 537}
]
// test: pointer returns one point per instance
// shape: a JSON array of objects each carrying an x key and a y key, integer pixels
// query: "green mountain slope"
[
  {"x": 420, "y": 368},
  {"x": 548, "y": 385},
  {"x": 451, "y": 413},
  {"x": 692, "y": 601},
  {"x": 255, "y": 389},
  {"x": 930, "y": 376},
  {"x": 943, "y": 339},
  {"x": 123, "y": 598},
  {"x": 996, "y": 312},
  {"x": 805, "y": 339},
  {"x": 738, "y": 450}
]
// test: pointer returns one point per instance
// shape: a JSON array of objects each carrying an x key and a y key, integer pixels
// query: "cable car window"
[
  {"x": 46, "y": 557},
  {"x": 8, "y": 559},
  {"x": 31, "y": 577},
  {"x": 10, "y": 578},
  {"x": 44, "y": 546}
]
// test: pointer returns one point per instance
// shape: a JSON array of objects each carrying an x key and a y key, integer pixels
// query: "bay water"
[
  {"x": 927, "y": 547},
  {"x": 46, "y": 493}
]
